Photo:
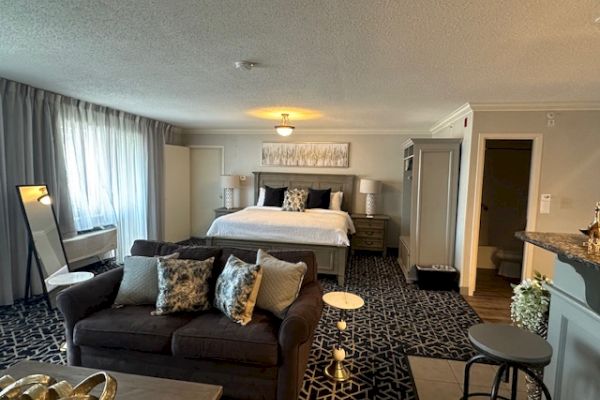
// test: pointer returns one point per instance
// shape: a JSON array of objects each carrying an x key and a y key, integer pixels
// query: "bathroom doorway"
[{"x": 504, "y": 201}]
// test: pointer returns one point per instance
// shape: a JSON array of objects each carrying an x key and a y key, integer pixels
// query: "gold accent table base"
[{"x": 337, "y": 371}]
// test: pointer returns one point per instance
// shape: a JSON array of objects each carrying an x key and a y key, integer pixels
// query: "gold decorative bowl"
[{"x": 44, "y": 387}]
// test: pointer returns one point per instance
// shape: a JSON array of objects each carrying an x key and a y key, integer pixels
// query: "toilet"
[{"x": 508, "y": 262}]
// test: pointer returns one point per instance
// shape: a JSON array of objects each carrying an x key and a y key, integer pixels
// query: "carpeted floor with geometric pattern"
[{"x": 397, "y": 320}]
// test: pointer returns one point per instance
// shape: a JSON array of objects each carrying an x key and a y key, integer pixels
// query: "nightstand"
[
  {"x": 219, "y": 212},
  {"x": 370, "y": 232}
]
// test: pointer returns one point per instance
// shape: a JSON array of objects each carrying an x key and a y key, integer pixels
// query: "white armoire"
[{"x": 429, "y": 203}]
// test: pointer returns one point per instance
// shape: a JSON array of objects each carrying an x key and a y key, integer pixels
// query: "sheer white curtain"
[{"x": 111, "y": 167}]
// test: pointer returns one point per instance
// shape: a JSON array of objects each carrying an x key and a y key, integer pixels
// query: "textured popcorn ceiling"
[{"x": 370, "y": 64}]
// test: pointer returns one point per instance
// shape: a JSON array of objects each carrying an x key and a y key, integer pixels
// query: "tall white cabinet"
[{"x": 429, "y": 203}]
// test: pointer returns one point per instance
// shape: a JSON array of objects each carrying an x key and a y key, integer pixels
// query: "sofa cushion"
[
  {"x": 212, "y": 335},
  {"x": 130, "y": 328},
  {"x": 151, "y": 248}
]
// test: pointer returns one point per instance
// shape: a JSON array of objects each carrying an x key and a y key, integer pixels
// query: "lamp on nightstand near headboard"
[
  {"x": 370, "y": 187},
  {"x": 229, "y": 182}
]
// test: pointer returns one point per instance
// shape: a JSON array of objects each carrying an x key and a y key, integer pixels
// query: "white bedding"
[{"x": 314, "y": 226}]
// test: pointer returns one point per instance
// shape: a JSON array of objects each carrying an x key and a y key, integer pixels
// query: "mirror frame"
[{"x": 37, "y": 258}]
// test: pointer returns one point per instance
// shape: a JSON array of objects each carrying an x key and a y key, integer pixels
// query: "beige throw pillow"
[{"x": 281, "y": 282}]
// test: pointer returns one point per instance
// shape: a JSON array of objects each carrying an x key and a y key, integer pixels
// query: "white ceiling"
[{"x": 374, "y": 65}]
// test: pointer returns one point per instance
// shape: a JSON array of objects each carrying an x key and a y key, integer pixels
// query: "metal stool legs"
[
  {"x": 501, "y": 375},
  {"x": 537, "y": 380}
]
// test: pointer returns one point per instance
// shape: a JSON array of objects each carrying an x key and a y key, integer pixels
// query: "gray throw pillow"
[
  {"x": 280, "y": 284},
  {"x": 139, "y": 285},
  {"x": 237, "y": 288},
  {"x": 183, "y": 286}
]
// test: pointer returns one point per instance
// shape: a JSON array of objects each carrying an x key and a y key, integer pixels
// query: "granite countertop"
[{"x": 568, "y": 246}]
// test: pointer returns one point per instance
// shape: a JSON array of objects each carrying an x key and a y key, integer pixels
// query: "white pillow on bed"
[
  {"x": 335, "y": 201},
  {"x": 261, "y": 197}
]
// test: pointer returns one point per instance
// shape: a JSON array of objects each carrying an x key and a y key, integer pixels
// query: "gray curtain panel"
[
  {"x": 36, "y": 128},
  {"x": 30, "y": 153},
  {"x": 157, "y": 134}
]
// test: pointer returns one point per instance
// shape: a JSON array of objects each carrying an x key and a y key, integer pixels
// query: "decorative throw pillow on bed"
[
  {"x": 280, "y": 283},
  {"x": 295, "y": 200},
  {"x": 336, "y": 201},
  {"x": 140, "y": 280},
  {"x": 237, "y": 288},
  {"x": 318, "y": 198},
  {"x": 274, "y": 196},
  {"x": 183, "y": 285}
]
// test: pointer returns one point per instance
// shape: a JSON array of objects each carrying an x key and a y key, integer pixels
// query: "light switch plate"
[{"x": 545, "y": 200}]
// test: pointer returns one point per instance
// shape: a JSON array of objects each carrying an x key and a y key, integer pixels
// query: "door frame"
[
  {"x": 206, "y": 146},
  {"x": 532, "y": 199}
]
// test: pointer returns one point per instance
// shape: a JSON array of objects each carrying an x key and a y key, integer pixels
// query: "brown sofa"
[{"x": 265, "y": 359}]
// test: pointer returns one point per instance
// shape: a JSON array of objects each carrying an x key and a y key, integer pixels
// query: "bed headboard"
[{"x": 344, "y": 183}]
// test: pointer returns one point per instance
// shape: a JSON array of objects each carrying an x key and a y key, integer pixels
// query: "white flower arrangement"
[{"x": 530, "y": 303}]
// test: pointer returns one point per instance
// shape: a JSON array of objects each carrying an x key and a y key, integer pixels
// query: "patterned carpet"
[{"x": 397, "y": 320}]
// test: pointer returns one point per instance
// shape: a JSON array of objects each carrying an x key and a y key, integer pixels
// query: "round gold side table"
[{"x": 343, "y": 301}]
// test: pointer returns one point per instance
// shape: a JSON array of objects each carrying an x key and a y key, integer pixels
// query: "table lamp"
[
  {"x": 229, "y": 182},
  {"x": 370, "y": 187}
]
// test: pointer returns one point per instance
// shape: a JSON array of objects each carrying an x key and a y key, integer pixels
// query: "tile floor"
[{"x": 438, "y": 379}]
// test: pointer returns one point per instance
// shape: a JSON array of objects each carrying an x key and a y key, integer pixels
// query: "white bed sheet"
[{"x": 314, "y": 226}]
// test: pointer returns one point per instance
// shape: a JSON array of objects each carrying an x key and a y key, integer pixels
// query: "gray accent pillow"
[
  {"x": 295, "y": 200},
  {"x": 237, "y": 288},
  {"x": 139, "y": 285},
  {"x": 281, "y": 282},
  {"x": 183, "y": 286}
]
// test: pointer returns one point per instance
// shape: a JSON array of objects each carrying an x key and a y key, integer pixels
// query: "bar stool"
[{"x": 510, "y": 347}]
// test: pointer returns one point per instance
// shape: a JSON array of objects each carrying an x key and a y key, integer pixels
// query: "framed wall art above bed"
[{"x": 308, "y": 155}]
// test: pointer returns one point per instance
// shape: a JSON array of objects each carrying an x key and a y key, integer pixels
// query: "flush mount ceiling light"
[
  {"x": 45, "y": 199},
  {"x": 284, "y": 128},
  {"x": 247, "y": 65}
]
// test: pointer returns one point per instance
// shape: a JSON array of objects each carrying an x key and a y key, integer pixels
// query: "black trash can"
[{"x": 437, "y": 277}]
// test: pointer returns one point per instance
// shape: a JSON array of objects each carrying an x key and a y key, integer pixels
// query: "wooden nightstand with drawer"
[
  {"x": 219, "y": 212},
  {"x": 370, "y": 232}
]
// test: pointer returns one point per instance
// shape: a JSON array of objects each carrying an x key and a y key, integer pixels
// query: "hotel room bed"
[{"x": 325, "y": 232}]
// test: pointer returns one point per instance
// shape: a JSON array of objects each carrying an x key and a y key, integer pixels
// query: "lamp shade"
[
  {"x": 230, "y": 181},
  {"x": 369, "y": 186}
]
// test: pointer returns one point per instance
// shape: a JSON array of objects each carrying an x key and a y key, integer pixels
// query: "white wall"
[
  {"x": 456, "y": 128},
  {"x": 570, "y": 171},
  {"x": 177, "y": 193},
  {"x": 376, "y": 156},
  {"x": 570, "y": 166}
]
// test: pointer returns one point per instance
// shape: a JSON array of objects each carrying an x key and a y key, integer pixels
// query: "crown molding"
[
  {"x": 459, "y": 113},
  {"x": 467, "y": 108},
  {"x": 263, "y": 131},
  {"x": 549, "y": 106}
]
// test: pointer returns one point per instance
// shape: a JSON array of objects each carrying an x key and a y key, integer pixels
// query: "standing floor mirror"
[{"x": 45, "y": 241}]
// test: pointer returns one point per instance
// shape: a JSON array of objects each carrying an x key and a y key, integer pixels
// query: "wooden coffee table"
[{"x": 129, "y": 387}]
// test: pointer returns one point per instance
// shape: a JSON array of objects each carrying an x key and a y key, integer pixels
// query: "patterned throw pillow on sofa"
[
  {"x": 237, "y": 288},
  {"x": 183, "y": 285},
  {"x": 295, "y": 200}
]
